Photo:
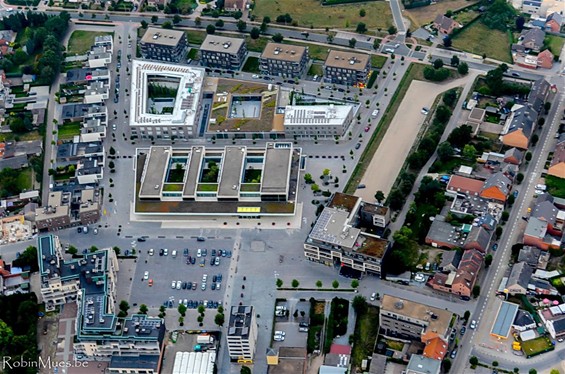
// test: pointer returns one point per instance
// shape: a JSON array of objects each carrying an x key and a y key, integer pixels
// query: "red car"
[{"x": 367, "y": 129}]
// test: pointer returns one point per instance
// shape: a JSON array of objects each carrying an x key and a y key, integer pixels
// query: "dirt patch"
[{"x": 47, "y": 335}]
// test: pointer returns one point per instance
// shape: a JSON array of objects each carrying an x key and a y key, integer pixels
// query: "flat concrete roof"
[
  {"x": 285, "y": 52},
  {"x": 154, "y": 35},
  {"x": 504, "y": 319},
  {"x": 231, "y": 171},
  {"x": 194, "y": 164},
  {"x": 154, "y": 171},
  {"x": 347, "y": 60},
  {"x": 216, "y": 43},
  {"x": 276, "y": 168},
  {"x": 332, "y": 227}
]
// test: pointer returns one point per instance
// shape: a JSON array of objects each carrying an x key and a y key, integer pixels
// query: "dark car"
[
  {"x": 188, "y": 285},
  {"x": 193, "y": 260},
  {"x": 141, "y": 239},
  {"x": 79, "y": 230},
  {"x": 201, "y": 239},
  {"x": 213, "y": 286},
  {"x": 216, "y": 304},
  {"x": 229, "y": 254},
  {"x": 194, "y": 285},
  {"x": 184, "y": 285},
  {"x": 465, "y": 298},
  {"x": 185, "y": 252},
  {"x": 212, "y": 261},
  {"x": 215, "y": 278},
  {"x": 213, "y": 253},
  {"x": 204, "y": 252},
  {"x": 358, "y": 145},
  {"x": 341, "y": 89},
  {"x": 495, "y": 247},
  {"x": 463, "y": 329},
  {"x": 161, "y": 252},
  {"x": 453, "y": 353},
  {"x": 219, "y": 277},
  {"x": 224, "y": 253}
]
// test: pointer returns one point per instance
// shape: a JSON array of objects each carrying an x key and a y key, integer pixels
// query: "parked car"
[
  {"x": 151, "y": 252},
  {"x": 373, "y": 296},
  {"x": 473, "y": 325},
  {"x": 358, "y": 145},
  {"x": 146, "y": 275}
]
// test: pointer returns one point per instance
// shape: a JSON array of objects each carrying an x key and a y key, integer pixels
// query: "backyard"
[
  {"x": 12, "y": 181},
  {"x": 479, "y": 39},
  {"x": 426, "y": 14},
  {"x": 555, "y": 186},
  {"x": 343, "y": 16},
  {"x": 337, "y": 321},
  {"x": 316, "y": 324},
  {"x": 537, "y": 346},
  {"x": 554, "y": 43},
  {"x": 366, "y": 331},
  {"x": 251, "y": 65},
  {"x": 81, "y": 41}
]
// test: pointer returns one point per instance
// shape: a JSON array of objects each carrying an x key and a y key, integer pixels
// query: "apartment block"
[
  {"x": 242, "y": 334},
  {"x": 284, "y": 60},
  {"x": 164, "y": 45},
  {"x": 317, "y": 121},
  {"x": 347, "y": 68},
  {"x": 223, "y": 52}
]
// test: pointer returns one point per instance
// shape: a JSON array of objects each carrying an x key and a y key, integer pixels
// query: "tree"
[
  {"x": 263, "y": 27},
  {"x": 469, "y": 152},
  {"x": 210, "y": 29},
  {"x": 495, "y": 363},
  {"x": 498, "y": 15},
  {"x": 463, "y": 68},
  {"x": 278, "y": 38},
  {"x": 219, "y": 319},
  {"x": 438, "y": 63},
  {"x": 201, "y": 309},
  {"x": 116, "y": 250},
  {"x": 520, "y": 21},
  {"x": 488, "y": 260},
  {"x": 454, "y": 60},
  {"x": 361, "y": 28},
  {"x": 541, "y": 122},
  {"x": 352, "y": 42},
  {"x": 376, "y": 44},
  {"x": 162, "y": 309},
  {"x": 279, "y": 283},
  {"x": 124, "y": 306},
  {"x": 528, "y": 156},
  {"x": 535, "y": 139},
  {"x": 354, "y": 283},
  {"x": 448, "y": 13},
  {"x": 28, "y": 258},
  {"x": 498, "y": 231},
  {"x": 167, "y": 25},
  {"x": 144, "y": 24},
  {"x": 245, "y": 370},
  {"x": 220, "y": 23},
  {"x": 177, "y": 19},
  {"x": 267, "y": 19},
  {"x": 547, "y": 107},
  {"x": 335, "y": 284},
  {"x": 112, "y": 151},
  {"x": 295, "y": 283},
  {"x": 379, "y": 196},
  {"x": 255, "y": 33},
  {"x": 511, "y": 199},
  {"x": 326, "y": 172},
  {"x": 392, "y": 30},
  {"x": 330, "y": 38},
  {"x": 6, "y": 334},
  {"x": 72, "y": 250},
  {"x": 450, "y": 97},
  {"x": 154, "y": 19},
  {"x": 446, "y": 365},
  {"x": 460, "y": 136},
  {"x": 241, "y": 25},
  {"x": 445, "y": 151},
  {"x": 505, "y": 215},
  {"x": 476, "y": 291},
  {"x": 308, "y": 178},
  {"x": 319, "y": 283},
  {"x": 554, "y": 371},
  {"x": 143, "y": 309},
  {"x": 197, "y": 21},
  {"x": 359, "y": 304},
  {"x": 447, "y": 42},
  {"x": 362, "y": 13},
  {"x": 533, "y": 371},
  {"x": 519, "y": 178},
  {"x": 466, "y": 315},
  {"x": 182, "y": 309},
  {"x": 315, "y": 187},
  {"x": 474, "y": 361}
]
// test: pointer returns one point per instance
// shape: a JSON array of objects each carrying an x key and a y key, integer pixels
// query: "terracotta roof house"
[
  {"x": 519, "y": 278},
  {"x": 436, "y": 348},
  {"x": 450, "y": 261},
  {"x": 557, "y": 165},
  {"x": 519, "y": 127},
  {"x": 538, "y": 94},
  {"x": 445, "y": 25},
  {"x": 532, "y": 39},
  {"x": 462, "y": 280},
  {"x": 554, "y": 22},
  {"x": 234, "y": 5},
  {"x": 545, "y": 59},
  {"x": 464, "y": 185},
  {"x": 513, "y": 156},
  {"x": 497, "y": 187}
]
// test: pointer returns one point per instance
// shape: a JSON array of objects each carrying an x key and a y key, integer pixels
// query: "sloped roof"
[
  {"x": 556, "y": 17},
  {"x": 534, "y": 36},
  {"x": 458, "y": 183},
  {"x": 513, "y": 153},
  {"x": 529, "y": 255},
  {"x": 545, "y": 211},
  {"x": 538, "y": 93},
  {"x": 444, "y": 22},
  {"x": 435, "y": 348},
  {"x": 450, "y": 258},
  {"x": 523, "y": 119},
  {"x": 500, "y": 181},
  {"x": 520, "y": 275},
  {"x": 523, "y": 318},
  {"x": 478, "y": 235},
  {"x": 536, "y": 228},
  {"x": 558, "y": 157}
]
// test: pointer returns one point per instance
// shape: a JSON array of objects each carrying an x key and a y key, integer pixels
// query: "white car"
[
  {"x": 199, "y": 253},
  {"x": 146, "y": 275},
  {"x": 165, "y": 252},
  {"x": 178, "y": 285},
  {"x": 174, "y": 284},
  {"x": 114, "y": 127},
  {"x": 389, "y": 50},
  {"x": 373, "y": 296},
  {"x": 255, "y": 76},
  {"x": 278, "y": 338},
  {"x": 425, "y": 110},
  {"x": 151, "y": 252},
  {"x": 420, "y": 277},
  {"x": 473, "y": 325},
  {"x": 281, "y": 333}
]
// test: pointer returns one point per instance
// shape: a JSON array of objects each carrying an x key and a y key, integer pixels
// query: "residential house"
[
  {"x": 468, "y": 186},
  {"x": 532, "y": 39},
  {"x": 423, "y": 365},
  {"x": 445, "y": 25},
  {"x": 436, "y": 348},
  {"x": 536, "y": 234},
  {"x": 548, "y": 212},
  {"x": 545, "y": 59},
  {"x": 496, "y": 188},
  {"x": 7, "y": 37},
  {"x": 530, "y": 255},
  {"x": 463, "y": 279},
  {"x": 519, "y": 279},
  {"x": 554, "y": 22},
  {"x": 554, "y": 320},
  {"x": 235, "y": 5},
  {"x": 523, "y": 321},
  {"x": 513, "y": 156},
  {"x": 519, "y": 126},
  {"x": 538, "y": 94},
  {"x": 450, "y": 261},
  {"x": 557, "y": 164},
  {"x": 99, "y": 57}
]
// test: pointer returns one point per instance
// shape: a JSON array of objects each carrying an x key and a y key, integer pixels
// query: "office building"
[
  {"x": 284, "y": 60},
  {"x": 164, "y": 45},
  {"x": 347, "y": 68},
  {"x": 223, "y": 52},
  {"x": 242, "y": 334},
  {"x": 317, "y": 121}
]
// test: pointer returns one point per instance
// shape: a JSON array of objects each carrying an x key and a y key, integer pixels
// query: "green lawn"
[
  {"x": 311, "y": 13},
  {"x": 251, "y": 65},
  {"x": 195, "y": 37},
  {"x": 366, "y": 331},
  {"x": 185, "y": 5},
  {"x": 378, "y": 61},
  {"x": 256, "y": 45},
  {"x": 555, "y": 43},
  {"x": 24, "y": 179},
  {"x": 81, "y": 41},
  {"x": 555, "y": 186},
  {"x": 316, "y": 69},
  {"x": 537, "y": 346},
  {"x": 466, "y": 16},
  {"x": 479, "y": 39},
  {"x": 69, "y": 130},
  {"x": 193, "y": 54}
]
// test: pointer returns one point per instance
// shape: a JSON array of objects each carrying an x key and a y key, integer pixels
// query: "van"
[
  {"x": 541, "y": 187},
  {"x": 375, "y": 113},
  {"x": 174, "y": 253}
]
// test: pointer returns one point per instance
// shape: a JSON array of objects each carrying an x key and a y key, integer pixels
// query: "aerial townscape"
[{"x": 282, "y": 186}]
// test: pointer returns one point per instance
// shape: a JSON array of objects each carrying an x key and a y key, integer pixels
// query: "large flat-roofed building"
[
  {"x": 242, "y": 333},
  {"x": 223, "y": 52},
  {"x": 90, "y": 282},
  {"x": 317, "y": 121},
  {"x": 408, "y": 320},
  {"x": 55, "y": 215},
  {"x": 165, "y": 100},
  {"x": 284, "y": 60},
  {"x": 337, "y": 237},
  {"x": 234, "y": 180},
  {"x": 347, "y": 68},
  {"x": 164, "y": 45}
]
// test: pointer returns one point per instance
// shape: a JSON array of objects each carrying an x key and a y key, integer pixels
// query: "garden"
[
  {"x": 317, "y": 318},
  {"x": 537, "y": 346},
  {"x": 337, "y": 321},
  {"x": 81, "y": 41},
  {"x": 366, "y": 331}
]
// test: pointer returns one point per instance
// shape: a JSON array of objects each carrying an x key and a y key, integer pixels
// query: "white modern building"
[
  {"x": 155, "y": 112},
  {"x": 317, "y": 121},
  {"x": 242, "y": 334}
]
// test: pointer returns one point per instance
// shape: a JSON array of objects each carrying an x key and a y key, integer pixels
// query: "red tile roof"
[
  {"x": 340, "y": 349},
  {"x": 465, "y": 185},
  {"x": 435, "y": 349}
]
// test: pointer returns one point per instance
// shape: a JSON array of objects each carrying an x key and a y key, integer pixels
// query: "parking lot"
[
  {"x": 163, "y": 270},
  {"x": 296, "y": 312}
]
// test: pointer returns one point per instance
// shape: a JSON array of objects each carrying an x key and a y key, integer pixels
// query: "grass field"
[
  {"x": 68, "y": 131},
  {"x": 251, "y": 65},
  {"x": 378, "y": 61},
  {"x": 195, "y": 37},
  {"x": 415, "y": 71},
  {"x": 555, "y": 44},
  {"x": 24, "y": 179},
  {"x": 479, "y": 39},
  {"x": 536, "y": 346},
  {"x": 316, "y": 69},
  {"x": 465, "y": 17},
  {"x": 426, "y": 14},
  {"x": 311, "y": 13},
  {"x": 193, "y": 54},
  {"x": 555, "y": 186},
  {"x": 366, "y": 331},
  {"x": 81, "y": 41}
]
